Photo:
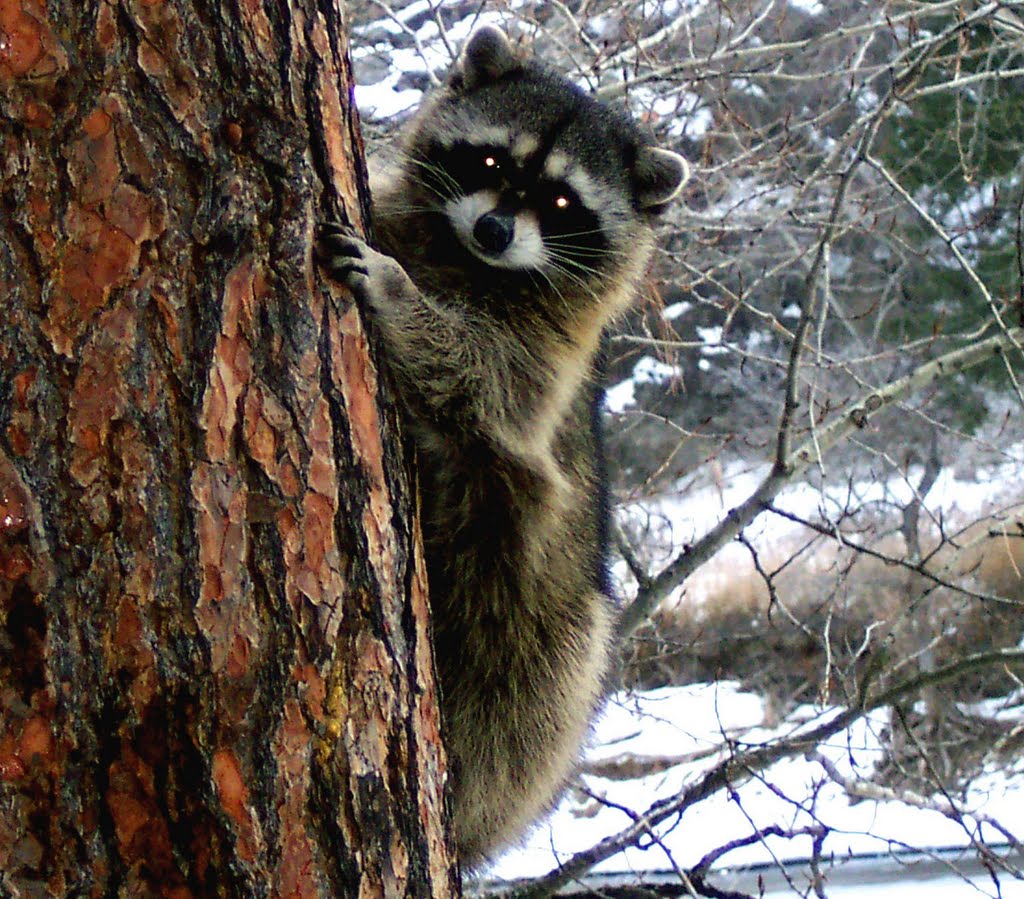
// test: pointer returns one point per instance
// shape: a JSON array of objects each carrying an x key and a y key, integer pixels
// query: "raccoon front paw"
[
  {"x": 341, "y": 253},
  {"x": 372, "y": 276}
]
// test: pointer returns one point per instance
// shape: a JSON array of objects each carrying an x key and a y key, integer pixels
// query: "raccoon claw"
[
  {"x": 340, "y": 251},
  {"x": 376, "y": 280},
  {"x": 327, "y": 230}
]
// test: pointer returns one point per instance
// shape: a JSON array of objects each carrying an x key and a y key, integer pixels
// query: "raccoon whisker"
[
  {"x": 433, "y": 178},
  {"x": 437, "y": 179},
  {"x": 567, "y": 265},
  {"x": 580, "y": 250},
  {"x": 574, "y": 249},
  {"x": 588, "y": 284},
  {"x": 439, "y": 189},
  {"x": 582, "y": 254},
  {"x": 564, "y": 234},
  {"x": 582, "y": 282},
  {"x": 571, "y": 257},
  {"x": 577, "y": 273},
  {"x": 410, "y": 209},
  {"x": 563, "y": 240},
  {"x": 554, "y": 289}
]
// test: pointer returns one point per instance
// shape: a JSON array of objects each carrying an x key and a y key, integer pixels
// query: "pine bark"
[{"x": 215, "y": 672}]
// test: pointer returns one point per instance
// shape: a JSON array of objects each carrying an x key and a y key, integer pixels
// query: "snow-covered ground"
[
  {"x": 694, "y": 727},
  {"x": 682, "y": 517},
  {"x": 665, "y": 740}
]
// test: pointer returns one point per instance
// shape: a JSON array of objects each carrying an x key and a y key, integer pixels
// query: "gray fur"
[{"x": 495, "y": 366}]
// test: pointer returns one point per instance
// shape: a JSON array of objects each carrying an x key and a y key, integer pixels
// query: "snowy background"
[
  {"x": 699, "y": 722},
  {"x": 683, "y": 732},
  {"x": 769, "y": 100}
]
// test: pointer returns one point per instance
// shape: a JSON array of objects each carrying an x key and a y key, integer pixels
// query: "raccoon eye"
[
  {"x": 559, "y": 198},
  {"x": 491, "y": 162}
]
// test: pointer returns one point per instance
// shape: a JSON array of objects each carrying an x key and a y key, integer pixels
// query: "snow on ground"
[
  {"x": 685, "y": 516},
  {"x": 692, "y": 728},
  {"x": 384, "y": 98},
  {"x": 695, "y": 723},
  {"x": 647, "y": 370},
  {"x": 813, "y": 7}
]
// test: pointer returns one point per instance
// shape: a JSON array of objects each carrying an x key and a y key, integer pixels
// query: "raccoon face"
[
  {"x": 511, "y": 214},
  {"x": 530, "y": 173}
]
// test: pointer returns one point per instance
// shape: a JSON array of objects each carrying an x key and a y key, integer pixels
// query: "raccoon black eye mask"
[{"x": 514, "y": 223}]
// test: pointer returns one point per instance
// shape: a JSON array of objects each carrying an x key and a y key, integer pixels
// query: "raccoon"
[{"x": 513, "y": 226}]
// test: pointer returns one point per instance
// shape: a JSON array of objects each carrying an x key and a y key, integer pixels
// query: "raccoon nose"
[{"x": 493, "y": 231}]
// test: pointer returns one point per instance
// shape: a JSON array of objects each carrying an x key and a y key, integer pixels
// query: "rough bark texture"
[{"x": 215, "y": 675}]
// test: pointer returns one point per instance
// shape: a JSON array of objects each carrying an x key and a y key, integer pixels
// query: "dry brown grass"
[
  {"x": 816, "y": 615},
  {"x": 820, "y": 620}
]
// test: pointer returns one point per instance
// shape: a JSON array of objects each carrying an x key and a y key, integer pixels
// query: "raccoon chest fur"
[{"x": 515, "y": 220}]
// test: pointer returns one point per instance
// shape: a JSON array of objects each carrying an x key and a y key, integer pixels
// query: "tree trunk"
[{"x": 215, "y": 675}]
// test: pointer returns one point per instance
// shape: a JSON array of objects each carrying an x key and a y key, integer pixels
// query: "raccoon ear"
[
  {"x": 659, "y": 176},
  {"x": 486, "y": 56}
]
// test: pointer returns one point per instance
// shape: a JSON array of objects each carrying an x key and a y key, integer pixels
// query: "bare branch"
[
  {"x": 784, "y": 471},
  {"x": 738, "y": 766}
]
